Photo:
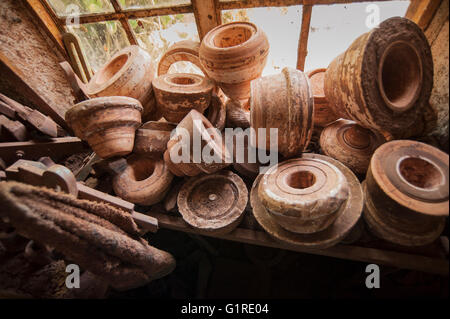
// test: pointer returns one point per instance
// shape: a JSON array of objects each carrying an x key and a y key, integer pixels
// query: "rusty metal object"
[
  {"x": 216, "y": 112},
  {"x": 323, "y": 112},
  {"x": 96, "y": 236},
  {"x": 108, "y": 124},
  {"x": 237, "y": 116},
  {"x": 406, "y": 190},
  {"x": 303, "y": 195},
  {"x": 283, "y": 101},
  {"x": 152, "y": 137},
  {"x": 397, "y": 56},
  {"x": 130, "y": 73},
  {"x": 213, "y": 203},
  {"x": 351, "y": 144},
  {"x": 196, "y": 124},
  {"x": 186, "y": 50},
  {"x": 144, "y": 180},
  {"x": 347, "y": 215},
  {"x": 177, "y": 94},
  {"x": 233, "y": 55}
]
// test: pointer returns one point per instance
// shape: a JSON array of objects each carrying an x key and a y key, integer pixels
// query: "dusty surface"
[
  {"x": 439, "y": 96},
  {"x": 35, "y": 57}
]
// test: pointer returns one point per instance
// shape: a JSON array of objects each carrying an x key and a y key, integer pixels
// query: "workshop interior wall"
[{"x": 27, "y": 48}]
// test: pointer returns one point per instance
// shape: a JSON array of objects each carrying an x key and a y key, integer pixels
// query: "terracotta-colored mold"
[
  {"x": 397, "y": 57},
  {"x": 323, "y": 113},
  {"x": 283, "y": 101},
  {"x": 177, "y": 94},
  {"x": 237, "y": 116},
  {"x": 244, "y": 164},
  {"x": 406, "y": 191},
  {"x": 351, "y": 144},
  {"x": 213, "y": 203},
  {"x": 303, "y": 195},
  {"x": 196, "y": 123},
  {"x": 186, "y": 50},
  {"x": 152, "y": 137},
  {"x": 347, "y": 215},
  {"x": 144, "y": 181},
  {"x": 108, "y": 124},
  {"x": 130, "y": 73},
  {"x": 216, "y": 113},
  {"x": 233, "y": 55}
]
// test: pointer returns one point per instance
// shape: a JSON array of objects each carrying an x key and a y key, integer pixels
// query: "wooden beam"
[
  {"x": 55, "y": 148},
  {"x": 132, "y": 14},
  {"x": 234, "y": 4},
  {"x": 48, "y": 23},
  {"x": 422, "y": 11},
  {"x": 18, "y": 79},
  {"x": 207, "y": 15},
  {"x": 304, "y": 36},
  {"x": 363, "y": 254},
  {"x": 125, "y": 24},
  {"x": 438, "y": 21}
]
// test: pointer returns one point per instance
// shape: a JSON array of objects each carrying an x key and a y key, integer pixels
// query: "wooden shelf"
[{"x": 381, "y": 256}]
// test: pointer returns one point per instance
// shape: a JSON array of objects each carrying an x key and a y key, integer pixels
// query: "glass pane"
[
  {"x": 100, "y": 41},
  {"x": 145, "y": 4},
  {"x": 282, "y": 27},
  {"x": 66, "y": 7},
  {"x": 335, "y": 27},
  {"x": 156, "y": 34}
]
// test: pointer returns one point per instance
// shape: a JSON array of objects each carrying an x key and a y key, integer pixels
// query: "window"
[{"x": 307, "y": 36}]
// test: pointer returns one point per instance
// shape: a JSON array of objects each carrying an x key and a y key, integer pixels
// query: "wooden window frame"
[{"x": 208, "y": 15}]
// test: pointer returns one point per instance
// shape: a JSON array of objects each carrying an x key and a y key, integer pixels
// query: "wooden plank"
[
  {"x": 55, "y": 148},
  {"x": 207, "y": 15},
  {"x": 351, "y": 252},
  {"x": 438, "y": 21},
  {"x": 304, "y": 36},
  {"x": 422, "y": 11},
  {"x": 18, "y": 79},
  {"x": 14, "y": 130},
  {"x": 48, "y": 23}
]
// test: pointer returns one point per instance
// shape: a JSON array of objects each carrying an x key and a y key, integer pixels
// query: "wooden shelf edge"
[{"x": 350, "y": 252}]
